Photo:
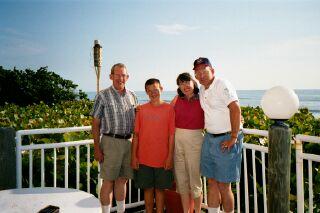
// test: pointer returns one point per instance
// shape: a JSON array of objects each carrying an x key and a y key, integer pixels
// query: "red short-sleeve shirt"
[
  {"x": 188, "y": 113},
  {"x": 154, "y": 124}
]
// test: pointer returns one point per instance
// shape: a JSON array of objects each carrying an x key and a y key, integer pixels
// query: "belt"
[
  {"x": 128, "y": 136},
  {"x": 220, "y": 134}
]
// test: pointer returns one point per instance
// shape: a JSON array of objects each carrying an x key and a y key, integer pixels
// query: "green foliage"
[
  {"x": 302, "y": 122},
  {"x": 28, "y": 87},
  {"x": 37, "y": 116}
]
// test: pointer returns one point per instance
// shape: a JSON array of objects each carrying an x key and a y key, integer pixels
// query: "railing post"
[
  {"x": 18, "y": 160},
  {"x": 299, "y": 174}
]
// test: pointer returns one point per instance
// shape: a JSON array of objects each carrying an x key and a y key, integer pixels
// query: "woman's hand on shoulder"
[{"x": 174, "y": 100}]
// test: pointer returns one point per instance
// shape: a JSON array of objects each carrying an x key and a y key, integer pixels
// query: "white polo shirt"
[{"x": 214, "y": 102}]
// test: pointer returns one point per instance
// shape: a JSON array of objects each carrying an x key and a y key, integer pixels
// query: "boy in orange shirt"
[{"x": 152, "y": 147}]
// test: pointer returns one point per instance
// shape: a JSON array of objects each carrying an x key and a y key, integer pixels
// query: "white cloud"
[{"x": 175, "y": 29}]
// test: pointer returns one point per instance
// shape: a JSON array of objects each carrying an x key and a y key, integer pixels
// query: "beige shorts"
[
  {"x": 117, "y": 158},
  {"x": 187, "y": 153}
]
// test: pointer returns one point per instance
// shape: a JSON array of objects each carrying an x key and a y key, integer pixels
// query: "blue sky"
[{"x": 254, "y": 44}]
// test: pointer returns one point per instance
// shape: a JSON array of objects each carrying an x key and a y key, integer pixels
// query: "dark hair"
[
  {"x": 150, "y": 82},
  {"x": 186, "y": 77}
]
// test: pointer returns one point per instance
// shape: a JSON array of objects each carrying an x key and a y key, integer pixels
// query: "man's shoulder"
[
  {"x": 131, "y": 92},
  {"x": 100, "y": 96},
  {"x": 222, "y": 83},
  {"x": 226, "y": 88},
  {"x": 220, "y": 80},
  {"x": 105, "y": 91}
]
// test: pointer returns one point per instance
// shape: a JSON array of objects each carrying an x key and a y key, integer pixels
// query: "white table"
[{"x": 33, "y": 199}]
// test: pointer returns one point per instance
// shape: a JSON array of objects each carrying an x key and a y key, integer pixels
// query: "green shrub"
[{"x": 28, "y": 87}]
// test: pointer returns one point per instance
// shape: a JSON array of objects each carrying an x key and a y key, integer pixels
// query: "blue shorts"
[{"x": 224, "y": 166}]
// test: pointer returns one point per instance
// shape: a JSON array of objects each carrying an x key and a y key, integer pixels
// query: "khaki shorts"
[
  {"x": 117, "y": 158},
  {"x": 188, "y": 145}
]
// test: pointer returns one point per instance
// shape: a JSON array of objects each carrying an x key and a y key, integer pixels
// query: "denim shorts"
[{"x": 222, "y": 166}]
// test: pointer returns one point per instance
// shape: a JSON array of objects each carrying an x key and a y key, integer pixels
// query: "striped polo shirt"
[{"x": 116, "y": 111}]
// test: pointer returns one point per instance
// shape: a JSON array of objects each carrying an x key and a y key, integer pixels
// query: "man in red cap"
[{"x": 222, "y": 147}]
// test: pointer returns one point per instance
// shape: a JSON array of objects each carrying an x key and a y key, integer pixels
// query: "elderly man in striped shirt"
[{"x": 113, "y": 118}]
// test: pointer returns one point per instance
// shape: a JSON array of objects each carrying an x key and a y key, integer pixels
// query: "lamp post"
[
  {"x": 97, "y": 56},
  {"x": 279, "y": 104}
]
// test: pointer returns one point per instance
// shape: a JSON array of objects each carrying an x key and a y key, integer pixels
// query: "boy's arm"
[
  {"x": 169, "y": 160},
  {"x": 134, "y": 159}
]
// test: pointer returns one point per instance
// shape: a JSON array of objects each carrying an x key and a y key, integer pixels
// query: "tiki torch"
[{"x": 97, "y": 55}]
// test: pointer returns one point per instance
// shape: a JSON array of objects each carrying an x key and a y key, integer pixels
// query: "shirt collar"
[
  {"x": 116, "y": 91},
  {"x": 194, "y": 97},
  {"x": 211, "y": 85}
]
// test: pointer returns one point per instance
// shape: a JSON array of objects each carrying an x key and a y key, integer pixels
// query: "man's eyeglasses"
[
  {"x": 120, "y": 75},
  {"x": 199, "y": 73}
]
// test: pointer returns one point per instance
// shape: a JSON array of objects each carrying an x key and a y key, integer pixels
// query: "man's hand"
[
  {"x": 98, "y": 154},
  {"x": 235, "y": 120},
  {"x": 137, "y": 109},
  {"x": 228, "y": 144},
  {"x": 134, "y": 163},
  {"x": 168, "y": 164}
]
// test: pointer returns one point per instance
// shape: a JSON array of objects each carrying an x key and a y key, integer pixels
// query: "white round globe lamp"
[{"x": 280, "y": 103}]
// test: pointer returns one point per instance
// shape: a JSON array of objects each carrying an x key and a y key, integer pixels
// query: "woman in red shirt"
[{"x": 189, "y": 122}]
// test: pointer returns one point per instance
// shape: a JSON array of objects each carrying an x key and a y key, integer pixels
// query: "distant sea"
[{"x": 308, "y": 98}]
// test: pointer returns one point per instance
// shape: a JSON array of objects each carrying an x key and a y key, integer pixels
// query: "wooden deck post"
[
  {"x": 279, "y": 167},
  {"x": 7, "y": 159}
]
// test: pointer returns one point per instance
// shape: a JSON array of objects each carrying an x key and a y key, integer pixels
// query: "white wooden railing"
[
  {"x": 311, "y": 158},
  {"x": 300, "y": 156},
  {"x": 22, "y": 148}
]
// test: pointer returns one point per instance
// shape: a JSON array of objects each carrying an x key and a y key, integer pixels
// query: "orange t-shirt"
[{"x": 154, "y": 124}]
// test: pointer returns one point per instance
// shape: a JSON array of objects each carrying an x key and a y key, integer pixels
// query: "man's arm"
[
  {"x": 98, "y": 153},
  {"x": 169, "y": 160},
  {"x": 235, "y": 119},
  {"x": 134, "y": 148}
]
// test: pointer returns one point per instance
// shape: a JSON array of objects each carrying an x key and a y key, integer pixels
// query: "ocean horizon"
[{"x": 308, "y": 98}]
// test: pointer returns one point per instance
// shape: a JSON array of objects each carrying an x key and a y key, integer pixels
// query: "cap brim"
[{"x": 194, "y": 67}]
